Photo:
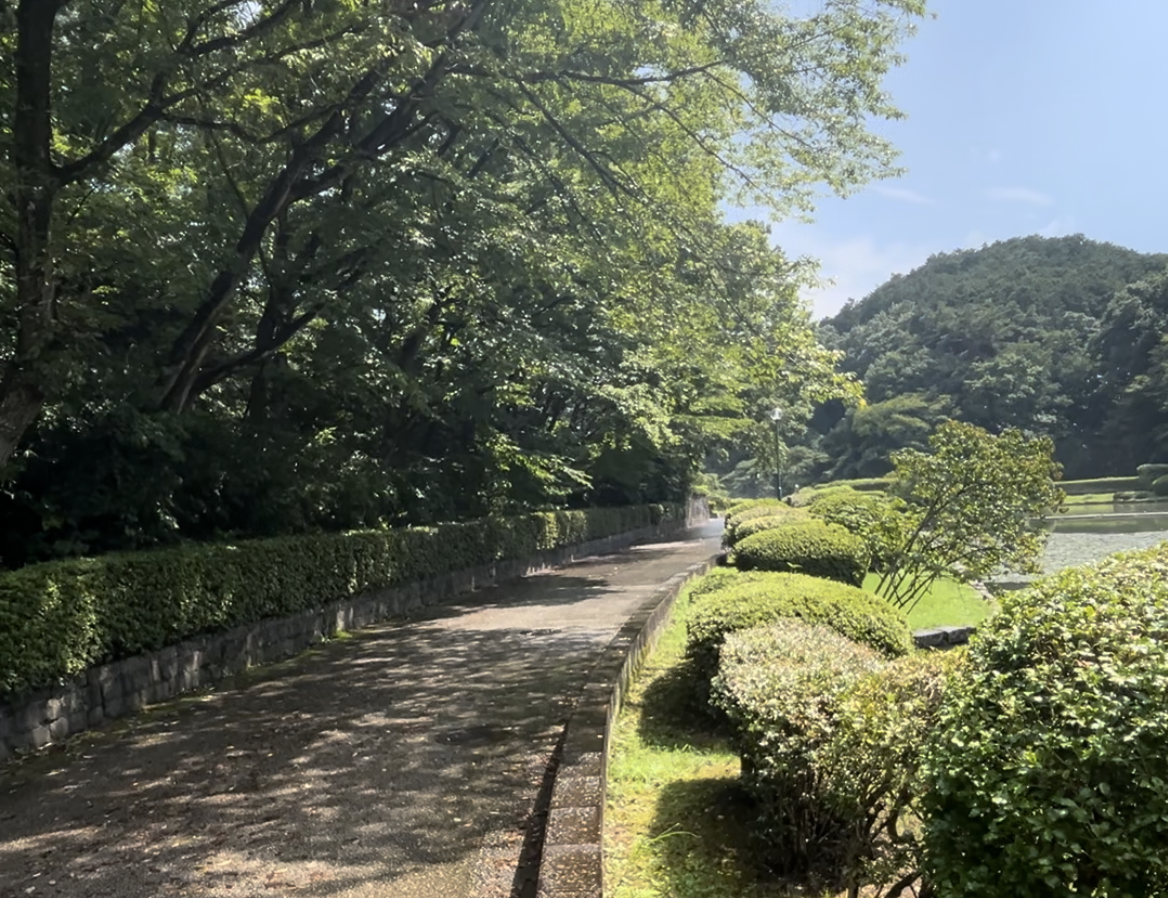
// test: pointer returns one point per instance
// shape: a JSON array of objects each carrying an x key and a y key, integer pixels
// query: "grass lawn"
[
  {"x": 947, "y": 604},
  {"x": 675, "y": 826}
]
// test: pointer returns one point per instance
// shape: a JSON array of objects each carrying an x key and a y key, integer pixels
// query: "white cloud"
[
  {"x": 1059, "y": 226},
  {"x": 903, "y": 194},
  {"x": 1019, "y": 195},
  {"x": 851, "y": 268}
]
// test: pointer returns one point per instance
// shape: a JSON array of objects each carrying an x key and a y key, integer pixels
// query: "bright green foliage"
[
  {"x": 807, "y": 547},
  {"x": 971, "y": 505},
  {"x": 59, "y": 618},
  {"x": 779, "y": 686},
  {"x": 1048, "y": 773},
  {"x": 320, "y": 265},
  {"x": 861, "y": 514},
  {"x": 718, "y": 580},
  {"x": 750, "y": 511},
  {"x": 851, "y": 612}
]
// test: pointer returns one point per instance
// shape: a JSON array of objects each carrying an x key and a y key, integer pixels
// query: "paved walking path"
[{"x": 401, "y": 762}]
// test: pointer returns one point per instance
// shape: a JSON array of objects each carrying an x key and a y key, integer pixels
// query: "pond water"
[{"x": 1090, "y": 532}]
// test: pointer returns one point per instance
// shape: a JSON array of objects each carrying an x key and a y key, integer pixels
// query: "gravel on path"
[{"x": 400, "y": 762}]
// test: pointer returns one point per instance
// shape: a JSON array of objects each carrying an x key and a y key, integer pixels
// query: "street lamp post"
[{"x": 777, "y": 416}]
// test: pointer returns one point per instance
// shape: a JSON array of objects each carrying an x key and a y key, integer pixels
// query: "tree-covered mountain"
[{"x": 1062, "y": 336}]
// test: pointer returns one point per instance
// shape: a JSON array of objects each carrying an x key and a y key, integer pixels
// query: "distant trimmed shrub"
[
  {"x": 851, "y": 612},
  {"x": 1160, "y": 486},
  {"x": 815, "y": 548},
  {"x": 758, "y": 509},
  {"x": 1048, "y": 771},
  {"x": 767, "y": 522},
  {"x": 1147, "y": 475}
]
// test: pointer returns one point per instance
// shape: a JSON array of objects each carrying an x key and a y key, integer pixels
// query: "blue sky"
[{"x": 1024, "y": 117}]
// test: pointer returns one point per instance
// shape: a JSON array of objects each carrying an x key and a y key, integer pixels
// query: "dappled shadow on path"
[{"x": 400, "y": 761}]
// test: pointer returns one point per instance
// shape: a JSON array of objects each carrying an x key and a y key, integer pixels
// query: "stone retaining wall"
[{"x": 113, "y": 690}]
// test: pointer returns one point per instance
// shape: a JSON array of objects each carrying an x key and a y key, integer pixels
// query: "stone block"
[
  {"x": 574, "y": 826},
  {"x": 577, "y": 791},
  {"x": 571, "y": 869},
  {"x": 59, "y": 729},
  {"x": 36, "y": 737}
]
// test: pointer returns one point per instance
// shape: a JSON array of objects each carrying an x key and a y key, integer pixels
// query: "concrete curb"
[{"x": 572, "y": 856}]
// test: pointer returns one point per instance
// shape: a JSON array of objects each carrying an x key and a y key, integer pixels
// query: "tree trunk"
[{"x": 22, "y": 388}]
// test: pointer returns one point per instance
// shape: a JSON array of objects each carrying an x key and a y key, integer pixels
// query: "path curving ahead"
[{"x": 401, "y": 762}]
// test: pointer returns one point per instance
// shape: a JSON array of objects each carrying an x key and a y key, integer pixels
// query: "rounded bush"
[
  {"x": 1048, "y": 771},
  {"x": 779, "y": 686},
  {"x": 861, "y": 514},
  {"x": 771, "y": 508},
  {"x": 851, "y": 612},
  {"x": 1160, "y": 486},
  {"x": 808, "y": 547},
  {"x": 830, "y": 738},
  {"x": 768, "y": 522}
]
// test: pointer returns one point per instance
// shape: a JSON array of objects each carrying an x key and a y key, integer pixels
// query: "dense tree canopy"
[
  {"x": 1056, "y": 336},
  {"x": 326, "y": 263}
]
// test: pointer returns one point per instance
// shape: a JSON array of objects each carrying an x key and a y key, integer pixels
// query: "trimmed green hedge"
[
  {"x": 59, "y": 618},
  {"x": 809, "y": 547},
  {"x": 762, "y": 600},
  {"x": 862, "y": 515},
  {"x": 1048, "y": 770},
  {"x": 1099, "y": 485}
]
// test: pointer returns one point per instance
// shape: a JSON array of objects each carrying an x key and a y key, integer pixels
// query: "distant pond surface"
[{"x": 1091, "y": 532}]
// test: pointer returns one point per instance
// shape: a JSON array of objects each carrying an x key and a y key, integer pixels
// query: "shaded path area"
[{"x": 404, "y": 760}]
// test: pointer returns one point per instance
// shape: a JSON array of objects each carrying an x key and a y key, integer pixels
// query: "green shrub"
[
  {"x": 779, "y": 687},
  {"x": 758, "y": 508},
  {"x": 59, "y": 618},
  {"x": 851, "y": 612},
  {"x": 1160, "y": 486},
  {"x": 740, "y": 505},
  {"x": 1147, "y": 475},
  {"x": 1048, "y": 773},
  {"x": 862, "y": 515},
  {"x": 830, "y": 739},
  {"x": 809, "y": 547},
  {"x": 864, "y": 484},
  {"x": 755, "y": 525}
]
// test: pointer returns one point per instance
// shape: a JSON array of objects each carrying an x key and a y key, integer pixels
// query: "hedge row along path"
[{"x": 405, "y": 761}]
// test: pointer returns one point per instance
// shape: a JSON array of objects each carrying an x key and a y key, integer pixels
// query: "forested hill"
[{"x": 1039, "y": 333}]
